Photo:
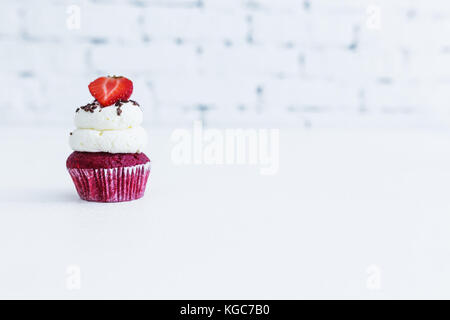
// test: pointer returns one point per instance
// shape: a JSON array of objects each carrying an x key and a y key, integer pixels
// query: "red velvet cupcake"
[
  {"x": 107, "y": 164},
  {"x": 108, "y": 177}
]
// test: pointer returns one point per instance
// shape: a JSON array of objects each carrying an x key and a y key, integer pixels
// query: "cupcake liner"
[{"x": 111, "y": 185}]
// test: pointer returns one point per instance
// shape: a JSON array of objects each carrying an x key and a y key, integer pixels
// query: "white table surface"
[{"x": 341, "y": 202}]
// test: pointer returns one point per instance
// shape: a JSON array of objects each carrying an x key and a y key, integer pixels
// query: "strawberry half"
[{"x": 109, "y": 90}]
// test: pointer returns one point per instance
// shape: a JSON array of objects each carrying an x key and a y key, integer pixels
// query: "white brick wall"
[{"x": 269, "y": 62}]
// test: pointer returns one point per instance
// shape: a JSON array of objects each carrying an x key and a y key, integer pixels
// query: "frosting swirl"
[{"x": 112, "y": 129}]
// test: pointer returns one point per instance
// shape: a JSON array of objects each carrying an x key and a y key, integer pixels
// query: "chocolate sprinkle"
[
  {"x": 90, "y": 107},
  {"x": 134, "y": 103},
  {"x": 119, "y": 103}
]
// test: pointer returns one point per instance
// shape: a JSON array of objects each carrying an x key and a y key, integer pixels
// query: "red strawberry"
[{"x": 109, "y": 90}]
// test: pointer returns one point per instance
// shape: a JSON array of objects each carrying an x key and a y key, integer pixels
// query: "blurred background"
[
  {"x": 359, "y": 207},
  {"x": 306, "y": 63}
]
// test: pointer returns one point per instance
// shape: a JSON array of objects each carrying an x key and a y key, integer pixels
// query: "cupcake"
[{"x": 107, "y": 164}]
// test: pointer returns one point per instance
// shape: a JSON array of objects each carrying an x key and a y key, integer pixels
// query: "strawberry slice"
[{"x": 109, "y": 90}]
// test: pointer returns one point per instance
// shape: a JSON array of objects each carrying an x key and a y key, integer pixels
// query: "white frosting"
[
  {"x": 103, "y": 130},
  {"x": 112, "y": 141},
  {"x": 108, "y": 119}
]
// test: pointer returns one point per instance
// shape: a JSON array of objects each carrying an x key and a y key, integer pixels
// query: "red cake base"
[{"x": 107, "y": 177}]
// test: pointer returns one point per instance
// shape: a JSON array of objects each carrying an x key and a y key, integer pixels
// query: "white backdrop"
[
  {"x": 284, "y": 62},
  {"x": 356, "y": 91}
]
